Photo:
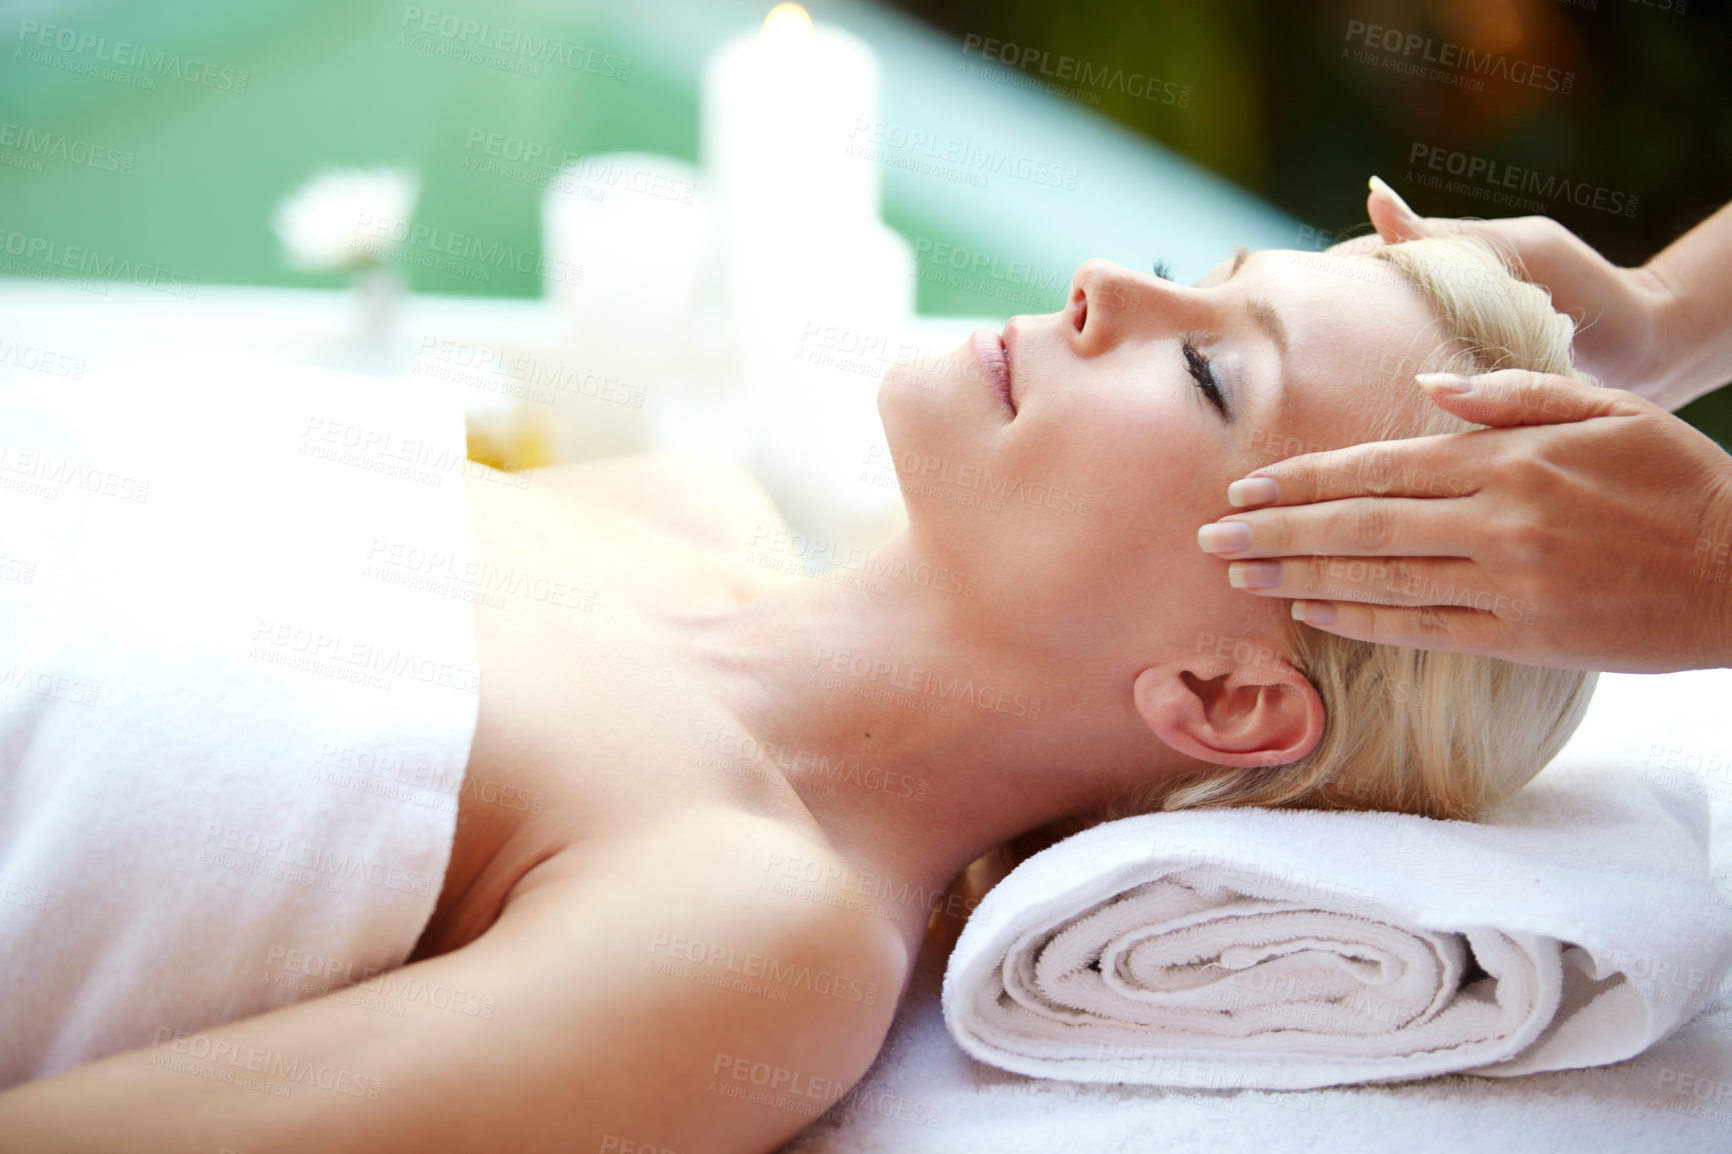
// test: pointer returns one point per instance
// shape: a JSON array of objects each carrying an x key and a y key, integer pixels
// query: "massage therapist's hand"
[
  {"x": 1622, "y": 315},
  {"x": 1589, "y": 530}
]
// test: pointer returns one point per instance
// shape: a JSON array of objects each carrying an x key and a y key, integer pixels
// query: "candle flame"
[{"x": 787, "y": 22}]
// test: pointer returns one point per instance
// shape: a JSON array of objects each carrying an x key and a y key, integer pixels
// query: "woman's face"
[{"x": 1075, "y": 505}]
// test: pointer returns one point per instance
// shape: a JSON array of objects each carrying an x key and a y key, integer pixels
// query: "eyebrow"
[
  {"x": 1264, "y": 316},
  {"x": 1261, "y": 312}
]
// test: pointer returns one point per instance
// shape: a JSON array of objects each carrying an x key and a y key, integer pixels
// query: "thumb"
[
  {"x": 1394, "y": 221},
  {"x": 1518, "y": 397}
]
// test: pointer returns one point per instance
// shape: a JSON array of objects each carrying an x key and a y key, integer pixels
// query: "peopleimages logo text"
[
  {"x": 1139, "y": 85},
  {"x": 1446, "y": 54},
  {"x": 124, "y": 54},
  {"x": 515, "y": 42},
  {"x": 1497, "y": 174}
]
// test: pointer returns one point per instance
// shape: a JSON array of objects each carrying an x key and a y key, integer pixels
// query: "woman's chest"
[
  {"x": 593, "y": 723},
  {"x": 589, "y": 704}
]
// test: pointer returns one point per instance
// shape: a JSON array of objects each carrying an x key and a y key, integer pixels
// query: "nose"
[{"x": 1108, "y": 302}]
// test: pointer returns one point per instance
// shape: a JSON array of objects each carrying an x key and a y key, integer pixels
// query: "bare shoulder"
[
  {"x": 707, "y": 887},
  {"x": 733, "y": 1007},
  {"x": 709, "y": 501},
  {"x": 642, "y": 988}
]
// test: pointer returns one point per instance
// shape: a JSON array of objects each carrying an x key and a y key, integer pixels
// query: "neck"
[{"x": 916, "y": 734}]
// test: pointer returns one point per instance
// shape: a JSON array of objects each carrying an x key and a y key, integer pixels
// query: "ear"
[{"x": 1246, "y": 715}]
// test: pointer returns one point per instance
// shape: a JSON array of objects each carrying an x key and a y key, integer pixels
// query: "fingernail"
[
  {"x": 1314, "y": 612},
  {"x": 1453, "y": 383},
  {"x": 1253, "y": 491},
  {"x": 1382, "y": 190},
  {"x": 1224, "y": 537},
  {"x": 1254, "y": 574}
]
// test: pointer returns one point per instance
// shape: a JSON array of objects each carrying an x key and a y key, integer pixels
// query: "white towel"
[
  {"x": 235, "y": 711},
  {"x": 1292, "y": 949}
]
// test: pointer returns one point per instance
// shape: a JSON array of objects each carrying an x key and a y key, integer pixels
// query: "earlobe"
[{"x": 1232, "y": 715}]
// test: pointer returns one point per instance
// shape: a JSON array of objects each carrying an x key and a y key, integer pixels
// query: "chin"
[{"x": 941, "y": 441}]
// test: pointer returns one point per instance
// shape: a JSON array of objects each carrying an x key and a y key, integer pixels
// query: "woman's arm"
[
  {"x": 592, "y": 1041},
  {"x": 1658, "y": 331},
  {"x": 1589, "y": 529},
  {"x": 1696, "y": 340},
  {"x": 1586, "y": 529}
]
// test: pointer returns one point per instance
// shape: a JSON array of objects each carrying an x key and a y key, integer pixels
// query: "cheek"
[
  {"x": 1145, "y": 461},
  {"x": 1156, "y": 477}
]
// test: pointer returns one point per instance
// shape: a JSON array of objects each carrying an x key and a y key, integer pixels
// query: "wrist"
[{"x": 1665, "y": 345}]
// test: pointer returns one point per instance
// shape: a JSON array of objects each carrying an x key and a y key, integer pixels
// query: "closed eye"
[{"x": 1204, "y": 374}]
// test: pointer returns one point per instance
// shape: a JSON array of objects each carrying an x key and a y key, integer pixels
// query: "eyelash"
[
  {"x": 1198, "y": 365},
  {"x": 1204, "y": 374}
]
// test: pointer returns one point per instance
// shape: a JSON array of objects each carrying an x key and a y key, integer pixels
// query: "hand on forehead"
[{"x": 1358, "y": 333}]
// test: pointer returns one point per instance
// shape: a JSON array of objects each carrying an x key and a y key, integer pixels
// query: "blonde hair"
[{"x": 1414, "y": 731}]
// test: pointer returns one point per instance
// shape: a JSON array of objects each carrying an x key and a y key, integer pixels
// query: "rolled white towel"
[{"x": 1296, "y": 949}]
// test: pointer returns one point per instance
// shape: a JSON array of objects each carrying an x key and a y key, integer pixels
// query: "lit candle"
[
  {"x": 788, "y": 113},
  {"x": 781, "y": 104}
]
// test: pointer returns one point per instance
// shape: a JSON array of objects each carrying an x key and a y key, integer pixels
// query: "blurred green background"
[{"x": 184, "y": 165}]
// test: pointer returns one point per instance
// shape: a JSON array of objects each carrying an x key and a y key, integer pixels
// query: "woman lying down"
[{"x": 658, "y": 928}]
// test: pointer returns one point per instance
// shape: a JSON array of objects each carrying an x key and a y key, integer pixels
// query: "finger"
[
  {"x": 1514, "y": 237},
  {"x": 1370, "y": 580},
  {"x": 1394, "y": 226},
  {"x": 1452, "y": 630},
  {"x": 1394, "y": 221},
  {"x": 1354, "y": 527},
  {"x": 1441, "y": 465},
  {"x": 1509, "y": 397}
]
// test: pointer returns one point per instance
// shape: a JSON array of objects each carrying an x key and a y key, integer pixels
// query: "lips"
[{"x": 989, "y": 352}]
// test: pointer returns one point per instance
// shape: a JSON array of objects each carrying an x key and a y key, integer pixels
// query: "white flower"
[{"x": 345, "y": 217}]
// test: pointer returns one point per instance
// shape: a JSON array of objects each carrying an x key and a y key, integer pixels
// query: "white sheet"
[{"x": 233, "y": 732}]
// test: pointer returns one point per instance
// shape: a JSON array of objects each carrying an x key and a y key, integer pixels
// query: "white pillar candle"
[
  {"x": 801, "y": 244},
  {"x": 780, "y": 104}
]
